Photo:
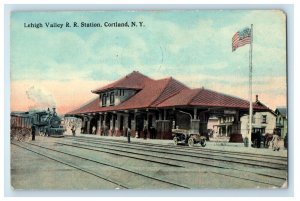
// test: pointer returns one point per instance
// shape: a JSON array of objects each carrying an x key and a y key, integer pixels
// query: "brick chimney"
[{"x": 256, "y": 97}]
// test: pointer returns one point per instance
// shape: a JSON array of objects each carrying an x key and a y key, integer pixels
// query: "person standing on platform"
[
  {"x": 145, "y": 130},
  {"x": 94, "y": 130},
  {"x": 274, "y": 141},
  {"x": 128, "y": 135},
  {"x": 33, "y": 133},
  {"x": 151, "y": 132},
  {"x": 286, "y": 141},
  {"x": 259, "y": 136},
  {"x": 73, "y": 129}
]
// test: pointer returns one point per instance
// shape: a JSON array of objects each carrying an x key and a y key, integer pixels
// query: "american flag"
[{"x": 241, "y": 38}]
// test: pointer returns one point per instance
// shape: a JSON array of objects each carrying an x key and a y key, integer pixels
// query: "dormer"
[
  {"x": 115, "y": 96},
  {"x": 122, "y": 89}
]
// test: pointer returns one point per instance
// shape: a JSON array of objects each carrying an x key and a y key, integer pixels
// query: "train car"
[
  {"x": 46, "y": 123},
  {"x": 20, "y": 126}
]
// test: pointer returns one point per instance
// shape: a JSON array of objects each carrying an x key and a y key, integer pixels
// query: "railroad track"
[
  {"x": 196, "y": 149},
  {"x": 254, "y": 176},
  {"x": 47, "y": 155},
  {"x": 273, "y": 164},
  {"x": 69, "y": 159}
]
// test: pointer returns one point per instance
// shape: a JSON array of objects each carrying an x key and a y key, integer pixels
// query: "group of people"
[
  {"x": 268, "y": 139},
  {"x": 146, "y": 133}
]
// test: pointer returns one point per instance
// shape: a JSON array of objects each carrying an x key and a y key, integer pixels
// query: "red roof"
[
  {"x": 212, "y": 98},
  {"x": 151, "y": 95},
  {"x": 207, "y": 98},
  {"x": 180, "y": 99},
  {"x": 161, "y": 93},
  {"x": 173, "y": 87},
  {"x": 134, "y": 80}
]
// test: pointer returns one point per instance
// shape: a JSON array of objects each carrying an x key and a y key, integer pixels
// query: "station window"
[
  {"x": 121, "y": 92},
  {"x": 103, "y": 100},
  {"x": 112, "y": 98}
]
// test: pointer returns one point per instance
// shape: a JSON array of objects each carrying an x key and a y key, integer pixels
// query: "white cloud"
[{"x": 199, "y": 55}]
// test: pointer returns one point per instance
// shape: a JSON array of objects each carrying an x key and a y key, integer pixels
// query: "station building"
[{"x": 137, "y": 102}]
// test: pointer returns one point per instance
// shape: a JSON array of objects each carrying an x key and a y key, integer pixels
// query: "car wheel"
[
  {"x": 175, "y": 140},
  {"x": 191, "y": 142},
  {"x": 203, "y": 143}
]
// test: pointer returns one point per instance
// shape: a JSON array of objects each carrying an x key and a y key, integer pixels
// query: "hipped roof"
[
  {"x": 163, "y": 93},
  {"x": 134, "y": 80}
]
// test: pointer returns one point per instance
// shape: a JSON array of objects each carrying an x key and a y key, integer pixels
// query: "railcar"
[{"x": 46, "y": 123}]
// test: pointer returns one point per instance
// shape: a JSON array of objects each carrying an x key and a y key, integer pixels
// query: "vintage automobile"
[{"x": 182, "y": 136}]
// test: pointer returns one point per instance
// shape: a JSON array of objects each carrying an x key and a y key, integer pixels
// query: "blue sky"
[{"x": 191, "y": 46}]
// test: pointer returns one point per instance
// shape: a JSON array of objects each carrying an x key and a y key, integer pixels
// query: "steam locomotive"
[{"x": 45, "y": 123}]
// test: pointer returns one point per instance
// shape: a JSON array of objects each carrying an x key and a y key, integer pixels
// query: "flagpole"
[{"x": 250, "y": 88}]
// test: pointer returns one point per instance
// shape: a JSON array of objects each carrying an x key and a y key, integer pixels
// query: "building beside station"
[
  {"x": 139, "y": 103},
  {"x": 262, "y": 122},
  {"x": 282, "y": 121}
]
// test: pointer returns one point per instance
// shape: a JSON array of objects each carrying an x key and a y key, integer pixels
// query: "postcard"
[{"x": 173, "y": 99}]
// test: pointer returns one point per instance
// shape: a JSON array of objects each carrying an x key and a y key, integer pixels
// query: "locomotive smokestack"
[{"x": 54, "y": 112}]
